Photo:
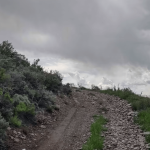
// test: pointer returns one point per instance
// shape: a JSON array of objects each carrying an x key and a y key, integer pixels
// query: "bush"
[
  {"x": 17, "y": 98},
  {"x": 95, "y": 88},
  {"x": 53, "y": 81},
  {"x": 50, "y": 109},
  {"x": 31, "y": 78},
  {"x": 66, "y": 89},
  {"x": 22, "y": 107},
  {"x": 3, "y": 76},
  {"x": 3, "y": 126},
  {"x": 6, "y": 105},
  {"x": 47, "y": 98},
  {"x": 15, "y": 121}
]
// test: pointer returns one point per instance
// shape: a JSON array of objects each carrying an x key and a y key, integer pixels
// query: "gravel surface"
[{"x": 123, "y": 133}]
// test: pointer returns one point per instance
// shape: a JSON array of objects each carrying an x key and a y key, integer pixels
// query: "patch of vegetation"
[
  {"x": 15, "y": 121},
  {"x": 138, "y": 103},
  {"x": 96, "y": 141},
  {"x": 143, "y": 119},
  {"x": 81, "y": 87},
  {"x": 3, "y": 126},
  {"x": 66, "y": 89},
  {"x": 50, "y": 109},
  {"x": 95, "y": 88},
  {"x": 22, "y": 107},
  {"x": 25, "y": 88}
]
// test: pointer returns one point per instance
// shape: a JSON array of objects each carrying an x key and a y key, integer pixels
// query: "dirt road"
[
  {"x": 74, "y": 130},
  {"x": 69, "y": 128}
]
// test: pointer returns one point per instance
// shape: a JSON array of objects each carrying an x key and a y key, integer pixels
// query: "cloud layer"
[{"x": 101, "y": 39}]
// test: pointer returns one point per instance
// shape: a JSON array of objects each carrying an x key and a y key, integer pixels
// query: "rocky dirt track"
[{"x": 71, "y": 127}]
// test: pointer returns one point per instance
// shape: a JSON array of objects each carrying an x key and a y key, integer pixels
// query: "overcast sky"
[{"x": 101, "y": 42}]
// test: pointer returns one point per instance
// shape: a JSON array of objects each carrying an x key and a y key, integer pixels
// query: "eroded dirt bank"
[{"x": 69, "y": 128}]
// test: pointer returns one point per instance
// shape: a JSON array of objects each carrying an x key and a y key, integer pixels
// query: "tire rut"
[
  {"x": 74, "y": 130},
  {"x": 58, "y": 132}
]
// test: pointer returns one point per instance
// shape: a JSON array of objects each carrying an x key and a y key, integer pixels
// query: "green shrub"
[
  {"x": 22, "y": 107},
  {"x": 15, "y": 121},
  {"x": 81, "y": 87},
  {"x": 31, "y": 77},
  {"x": 7, "y": 96},
  {"x": 6, "y": 105},
  {"x": 53, "y": 81},
  {"x": 1, "y": 91},
  {"x": 6, "y": 48},
  {"x": 21, "y": 98},
  {"x": 66, "y": 89},
  {"x": 143, "y": 119},
  {"x": 3, "y": 126},
  {"x": 3, "y": 75},
  {"x": 46, "y": 98},
  {"x": 95, "y": 88},
  {"x": 50, "y": 109}
]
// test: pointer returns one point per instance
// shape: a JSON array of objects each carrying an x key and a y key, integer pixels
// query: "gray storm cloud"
[
  {"x": 100, "y": 39},
  {"x": 103, "y": 33}
]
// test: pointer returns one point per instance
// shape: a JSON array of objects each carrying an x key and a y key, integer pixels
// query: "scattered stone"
[
  {"x": 11, "y": 137},
  {"x": 9, "y": 128},
  {"x": 23, "y": 137},
  {"x": 130, "y": 113},
  {"x": 42, "y": 126},
  {"x": 57, "y": 107},
  {"x": 93, "y": 103},
  {"x": 16, "y": 140},
  {"x": 15, "y": 132}
]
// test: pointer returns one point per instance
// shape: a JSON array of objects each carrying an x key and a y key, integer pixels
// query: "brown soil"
[{"x": 69, "y": 128}]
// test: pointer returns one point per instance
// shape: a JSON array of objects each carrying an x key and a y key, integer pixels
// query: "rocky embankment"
[{"x": 122, "y": 133}]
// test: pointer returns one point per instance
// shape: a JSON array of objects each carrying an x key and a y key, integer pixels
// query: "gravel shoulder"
[{"x": 123, "y": 133}]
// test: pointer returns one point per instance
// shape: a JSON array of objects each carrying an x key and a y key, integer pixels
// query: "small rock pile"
[
  {"x": 16, "y": 136},
  {"x": 122, "y": 133}
]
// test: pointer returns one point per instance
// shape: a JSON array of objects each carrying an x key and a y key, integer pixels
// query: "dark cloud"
[
  {"x": 102, "y": 33},
  {"x": 98, "y": 35}
]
